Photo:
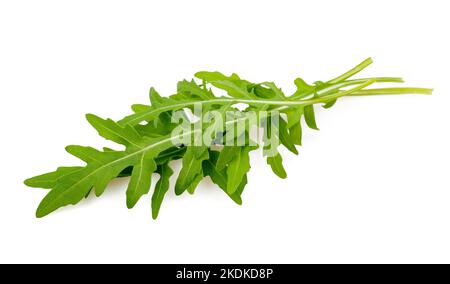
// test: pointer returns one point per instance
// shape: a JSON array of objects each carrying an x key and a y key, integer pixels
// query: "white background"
[{"x": 370, "y": 187}]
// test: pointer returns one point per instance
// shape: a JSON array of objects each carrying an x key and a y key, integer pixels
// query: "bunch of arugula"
[{"x": 147, "y": 137}]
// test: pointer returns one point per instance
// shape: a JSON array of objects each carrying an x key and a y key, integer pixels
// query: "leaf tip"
[
  {"x": 178, "y": 190},
  {"x": 69, "y": 148},
  {"x": 130, "y": 202},
  {"x": 40, "y": 212},
  {"x": 35, "y": 182},
  {"x": 90, "y": 117},
  {"x": 28, "y": 182}
]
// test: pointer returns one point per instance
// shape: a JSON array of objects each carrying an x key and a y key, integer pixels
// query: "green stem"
[
  {"x": 352, "y": 71},
  {"x": 326, "y": 95},
  {"x": 392, "y": 91},
  {"x": 335, "y": 87},
  {"x": 150, "y": 113},
  {"x": 299, "y": 102},
  {"x": 325, "y": 99}
]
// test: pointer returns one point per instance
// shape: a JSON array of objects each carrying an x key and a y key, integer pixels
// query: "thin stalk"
[
  {"x": 348, "y": 83},
  {"x": 357, "y": 82},
  {"x": 325, "y": 95},
  {"x": 299, "y": 102},
  {"x": 331, "y": 97},
  {"x": 352, "y": 71},
  {"x": 392, "y": 91}
]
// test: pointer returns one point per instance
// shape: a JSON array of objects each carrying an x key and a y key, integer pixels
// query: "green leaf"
[
  {"x": 152, "y": 112},
  {"x": 150, "y": 142},
  {"x": 50, "y": 180},
  {"x": 219, "y": 177},
  {"x": 278, "y": 93},
  {"x": 296, "y": 133},
  {"x": 161, "y": 188},
  {"x": 330, "y": 104},
  {"x": 237, "y": 169},
  {"x": 140, "y": 179},
  {"x": 140, "y": 108},
  {"x": 294, "y": 125},
  {"x": 211, "y": 76},
  {"x": 192, "y": 167},
  {"x": 155, "y": 98},
  {"x": 239, "y": 191},
  {"x": 72, "y": 188},
  {"x": 294, "y": 116},
  {"x": 226, "y": 155},
  {"x": 310, "y": 117},
  {"x": 170, "y": 154},
  {"x": 164, "y": 157},
  {"x": 96, "y": 160},
  {"x": 233, "y": 85},
  {"x": 192, "y": 89},
  {"x": 263, "y": 92},
  {"x": 159, "y": 127},
  {"x": 285, "y": 137},
  {"x": 101, "y": 166},
  {"x": 87, "y": 154},
  {"x": 303, "y": 89},
  {"x": 193, "y": 186},
  {"x": 276, "y": 163},
  {"x": 110, "y": 130}
]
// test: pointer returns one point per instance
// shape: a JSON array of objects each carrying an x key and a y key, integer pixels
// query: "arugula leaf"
[
  {"x": 170, "y": 154},
  {"x": 276, "y": 163},
  {"x": 296, "y": 133},
  {"x": 303, "y": 89},
  {"x": 237, "y": 169},
  {"x": 278, "y": 93},
  {"x": 294, "y": 125},
  {"x": 193, "y": 186},
  {"x": 148, "y": 137},
  {"x": 226, "y": 156},
  {"x": 192, "y": 167},
  {"x": 330, "y": 104},
  {"x": 101, "y": 166},
  {"x": 262, "y": 91},
  {"x": 233, "y": 85},
  {"x": 191, "y": 88},
  {"x": 285, "y": 138},
  {"x": 220, "y": 178},
  {"x": 310, "y": 117},
  {"x": 161, "y": 188},
  {"x": 50, "y": 180},
  {"x": 140, "y": 179}
]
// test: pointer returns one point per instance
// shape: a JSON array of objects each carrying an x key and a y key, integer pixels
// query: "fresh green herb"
[{"x": 151, "y": 133}]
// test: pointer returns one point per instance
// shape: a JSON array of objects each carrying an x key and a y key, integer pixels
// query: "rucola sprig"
[{"x": 149, "y": 136}]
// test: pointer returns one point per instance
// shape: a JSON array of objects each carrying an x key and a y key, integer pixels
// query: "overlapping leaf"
[
  {"x": 102, "y": 167},
  {"x": 148, "y": 138}
]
